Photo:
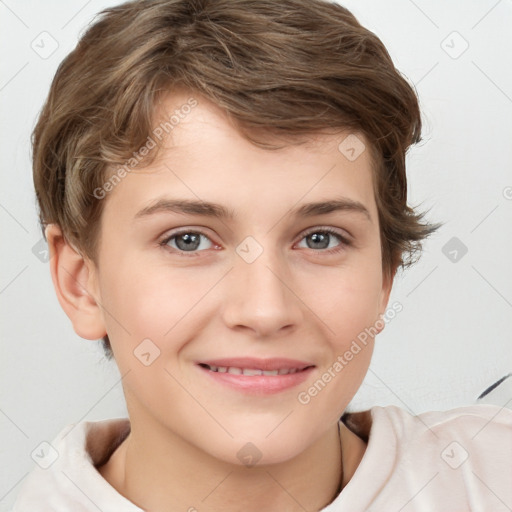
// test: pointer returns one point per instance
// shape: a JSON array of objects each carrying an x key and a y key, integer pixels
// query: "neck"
[{"x": 164, "y": 472}]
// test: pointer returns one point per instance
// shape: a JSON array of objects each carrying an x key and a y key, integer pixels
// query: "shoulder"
[
  {"x": 435, "y": 460},
  {"x": 466, "y": 450},
  {"x": 461, "y": 418},
  {"x": 465, "y": 420},
  {"x": 475, "y": 428},
  {"x": 65, "y": 475}
]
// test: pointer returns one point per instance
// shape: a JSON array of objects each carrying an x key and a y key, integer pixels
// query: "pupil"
[
  {"x": 320, "y": 238},
  {"x": 188, "y": 241}
]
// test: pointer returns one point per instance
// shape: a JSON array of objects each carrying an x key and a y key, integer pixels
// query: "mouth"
[
  {"x": 234, "y": 370},
  {"x": 257, "y": 376}
]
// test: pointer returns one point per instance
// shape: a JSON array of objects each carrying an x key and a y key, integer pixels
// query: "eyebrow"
[{"x": 208, "y": 209}]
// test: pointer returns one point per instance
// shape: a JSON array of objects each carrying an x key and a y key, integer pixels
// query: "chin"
[{"x": 257, "y": 449}]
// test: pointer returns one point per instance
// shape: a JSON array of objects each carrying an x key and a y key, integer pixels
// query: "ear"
[
  {"x": 387, "y": 285},
  {"x": 74, "y": 280}
]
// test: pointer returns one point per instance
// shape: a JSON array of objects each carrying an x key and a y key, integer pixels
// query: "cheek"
[
  {"x": 348, "y": 311},
  {"x": 141, "y": 301},
  {"x": 164, "y": 304},
  {"x": 348, "y": 302}
]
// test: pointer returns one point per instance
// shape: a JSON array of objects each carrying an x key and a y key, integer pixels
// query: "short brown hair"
[{"x": 281, "y": 68}]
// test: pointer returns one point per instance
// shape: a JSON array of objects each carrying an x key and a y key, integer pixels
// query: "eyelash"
[{"x": 345, "y": 242}]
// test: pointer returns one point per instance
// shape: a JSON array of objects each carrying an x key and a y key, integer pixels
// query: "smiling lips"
[
  {"x": 259, "y": 376},
  {"x": 252, "y": 366},
  {"x": 251, "y": 371}
]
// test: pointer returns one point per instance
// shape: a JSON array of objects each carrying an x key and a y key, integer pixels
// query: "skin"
[{"x": 295, "y": 300}]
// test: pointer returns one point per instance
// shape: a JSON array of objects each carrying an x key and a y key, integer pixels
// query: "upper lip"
[{"x": 276, "y": 363}]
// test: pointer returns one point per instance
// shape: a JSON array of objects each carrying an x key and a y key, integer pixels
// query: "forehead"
[{"x": 204, "y": 157}]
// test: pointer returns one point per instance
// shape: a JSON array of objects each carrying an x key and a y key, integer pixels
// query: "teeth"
[{"x": 251, "y": 371}]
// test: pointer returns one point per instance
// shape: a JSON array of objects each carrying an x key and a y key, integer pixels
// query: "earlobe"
[{"x": 73, "y": 280}]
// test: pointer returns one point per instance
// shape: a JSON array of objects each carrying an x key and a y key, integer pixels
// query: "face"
[{"x": 288, "y": 286}]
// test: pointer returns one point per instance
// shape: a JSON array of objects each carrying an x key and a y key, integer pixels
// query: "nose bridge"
[{"x": 260, "y": 293}]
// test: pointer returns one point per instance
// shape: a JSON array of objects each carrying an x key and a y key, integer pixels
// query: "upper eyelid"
[
  {"x": 338, "y": 231},
  {"x": 168, "y": 236}
]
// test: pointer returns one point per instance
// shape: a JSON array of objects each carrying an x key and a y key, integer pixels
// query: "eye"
[
  {"x": 193, "y": 242},
  {"x": 321, "y": 238},
  {"x": 186, "y": 241}
]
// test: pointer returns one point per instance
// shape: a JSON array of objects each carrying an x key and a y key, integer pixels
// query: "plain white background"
[{"x": 452, "y": 339}]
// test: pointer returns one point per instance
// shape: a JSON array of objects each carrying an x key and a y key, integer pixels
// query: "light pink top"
[{"x": 449, "y": 461}]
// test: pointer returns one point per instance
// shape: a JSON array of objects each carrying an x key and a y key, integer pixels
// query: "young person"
[{"x": 222, "y": 187}]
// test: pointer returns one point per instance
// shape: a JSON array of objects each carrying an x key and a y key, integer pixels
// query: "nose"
[{"x": 260, "y": 297}]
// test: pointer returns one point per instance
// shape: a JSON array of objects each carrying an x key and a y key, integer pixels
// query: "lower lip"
[{"x": 259, "y": 384}]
